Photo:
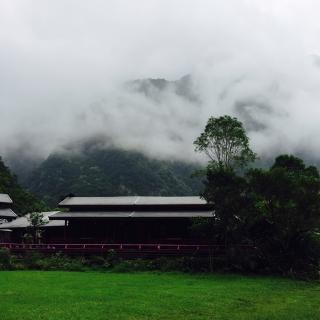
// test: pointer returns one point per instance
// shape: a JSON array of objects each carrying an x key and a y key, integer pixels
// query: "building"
[
  {"x": 130, "y": 219},
  {"x": 6, "y": 212},
  {"x": 131, "y": 226},
  {"x": 15, "y": 230}
]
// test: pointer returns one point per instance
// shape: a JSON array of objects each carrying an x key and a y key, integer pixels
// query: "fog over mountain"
[{"x": 147, "y": 75}]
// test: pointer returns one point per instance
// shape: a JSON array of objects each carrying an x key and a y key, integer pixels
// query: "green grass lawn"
[{"x": 70, "y": 295}]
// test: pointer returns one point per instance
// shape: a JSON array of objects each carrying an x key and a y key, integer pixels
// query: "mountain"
[
  {"x": 84, "y": 168},
  {"x": 110, "y": 172},
  {"x": 23, "y": 201},
  {"x": 154, "y": 88}
]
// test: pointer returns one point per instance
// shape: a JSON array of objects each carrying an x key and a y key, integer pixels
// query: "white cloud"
[{"x": 62, "y": 63}]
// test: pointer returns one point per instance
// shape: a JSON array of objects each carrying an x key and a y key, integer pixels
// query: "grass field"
[{"x": 32, "y": 295}]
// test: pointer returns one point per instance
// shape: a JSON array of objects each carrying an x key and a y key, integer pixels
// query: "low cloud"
[{"x": 65, "y": 67}]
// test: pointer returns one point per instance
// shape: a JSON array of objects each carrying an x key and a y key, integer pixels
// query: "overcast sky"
[{"x": 63, "y": 63}]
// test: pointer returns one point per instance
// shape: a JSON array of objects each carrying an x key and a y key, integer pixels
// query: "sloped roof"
[
  {"x": 129, "y": 201},
  {"x": 7, "y": 213},
  {"x": 130, "y": 214},
  {"x": 4, "y": 198},
  {"x": 22, "y": 222}
]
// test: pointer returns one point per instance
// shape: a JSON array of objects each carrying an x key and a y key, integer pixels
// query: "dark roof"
[
  {"x": 7, "y": 213},
  {"x": 4, "y": 198},
  {"x": 129, "y": 201},
  {"x": 22, "y": 222},
  {"x": 130, "y": 214}
]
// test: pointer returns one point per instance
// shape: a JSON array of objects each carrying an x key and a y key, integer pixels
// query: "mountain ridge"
[{"x": 110, "y": 172}]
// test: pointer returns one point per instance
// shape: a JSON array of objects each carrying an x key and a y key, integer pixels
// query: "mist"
[{"x": 67, "y": 71}]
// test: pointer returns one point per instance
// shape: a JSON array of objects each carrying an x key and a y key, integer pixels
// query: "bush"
[
  {"x": 235, "y": 260},
  {"x": 96, "y": 261},
  {"x": 32, "y": 260},
  {"x": 182, "y": 264},
  {"x": 238, "y": 259},
  {"x": 35, "y": 261},
  {"x": 133, "y": 265},
  {"x": 61, "y": 262},
  {"x": 111, "y": 259},
  {"x": 5, "y": 259}
]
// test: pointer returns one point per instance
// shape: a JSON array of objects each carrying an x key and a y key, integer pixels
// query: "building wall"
[
  {"x": 129, "y": 230},
  {"x": 5, "y": 236},
  {"x": 49, "y": 235}
]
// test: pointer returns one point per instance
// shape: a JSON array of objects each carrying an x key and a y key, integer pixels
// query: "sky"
[{"x": 64, "y": 63}]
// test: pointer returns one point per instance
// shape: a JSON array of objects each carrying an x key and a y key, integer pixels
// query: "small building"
[
  {"x": 6, "y": 212},
  {"x": 53, "y": 231},
  {"x": 6, "y": 215},
  {"x": 130, "y": 219}
]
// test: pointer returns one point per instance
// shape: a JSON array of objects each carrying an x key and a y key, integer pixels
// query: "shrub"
[
  {"x": 61, "y": 262},
  {"x": 133, "y": 265},
  {"x": 96, "y": 261},
  {"x": 5, "y": 259},
  {"x": 182, "y": 264},
  {"x": 32, "y": 260},
  {"x": 111, "y": 259}
]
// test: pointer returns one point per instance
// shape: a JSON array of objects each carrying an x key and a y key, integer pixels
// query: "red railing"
[{"x": 122, "y": 248}]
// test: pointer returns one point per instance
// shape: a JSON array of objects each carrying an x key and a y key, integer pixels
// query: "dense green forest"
[
  {"x": 24, "y": 201},
  {"x": 110, "y": 172}
]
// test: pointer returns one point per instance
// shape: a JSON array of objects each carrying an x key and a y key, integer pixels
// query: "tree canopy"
[
  {"x": 225, "y": 142},
  {"x": 36, "y": 221},
  {"x": 277, "y": 210}
]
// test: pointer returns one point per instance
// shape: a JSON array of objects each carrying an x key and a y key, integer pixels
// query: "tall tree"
[{"x": 225, "y": 142}]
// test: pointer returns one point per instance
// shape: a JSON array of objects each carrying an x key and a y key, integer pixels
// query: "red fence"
[{"x": 122, "y": 249}]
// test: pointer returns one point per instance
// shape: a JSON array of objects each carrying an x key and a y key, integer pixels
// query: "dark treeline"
[{"x": 276, "y": 211}]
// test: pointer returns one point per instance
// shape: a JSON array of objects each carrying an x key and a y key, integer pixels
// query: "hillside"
[
  {"x": 153, "y": 88},
  {"x": 110, "y": 172},
  {"x": 24, "y": 202}
]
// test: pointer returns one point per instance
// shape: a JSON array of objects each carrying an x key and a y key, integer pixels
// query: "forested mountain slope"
[
  {"x": 24, "y": 202},
  {"x": 110, "y": 172}
]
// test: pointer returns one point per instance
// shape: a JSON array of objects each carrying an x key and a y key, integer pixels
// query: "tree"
[
  {"x": 277, "y": 210},
  {"x": 286, "y": 218},
  {"x": 225, "y": 142},
  {"x": 226, "y": 192},
  {"x": 36, "y": 221}
]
